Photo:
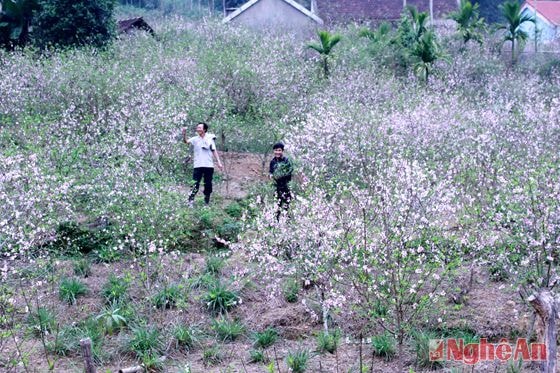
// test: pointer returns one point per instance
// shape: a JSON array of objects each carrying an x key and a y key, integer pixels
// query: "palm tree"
[
  {"x": 15, "y": 19},
  {"x": 469, "y": 22},
  {"x": 427, "y": 51},
  {"x": 419, "y": 21},
  {"x": 327, "y": 43},
  {"x": 511, "y": 10}
]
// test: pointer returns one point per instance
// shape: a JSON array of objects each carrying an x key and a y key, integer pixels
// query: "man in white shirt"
[{"x": 204, "y": 148}]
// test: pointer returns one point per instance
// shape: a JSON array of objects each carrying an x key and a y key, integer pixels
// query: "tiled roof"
[{"x": 548, "y": 9}]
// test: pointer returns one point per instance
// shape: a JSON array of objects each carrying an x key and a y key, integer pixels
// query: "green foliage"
[
  {"x": 41, "y": 321},
  {"x": 291, "y": 290},
  {"x": 266, "y": 338},
  {"x": 427, "y": 51},
  {"x": 186, "y": 337},
  {"x": 297, "y": 360},
  {"x": 82, "y": 267},
  {"x": 421, "y": 342},
  {"x": 219, "y": 299},
  {"x": 227, "y": 330},
  {"x": 112, "y": 318},
  {"x": 514, "y": 20},
  {"x": 70, "y": 289},
  {"x": 384, "y": 345},
  {"x": 15, "y": 20},
  {"x": 68, "y": 339},
  {"x": 106, "y": 254},
  {"x": 212, "y": 355},
  {"x": 228, "y": 229},
  {"x": 234, "y": 210},
  {"x": 257, "y": 356},
  {"x": 214, "y": 264},
  {"x": 327, "y": 42},
  {"x": 74, "y": 23},
  {"x": 115, "y": 289},
  {"x": 72, "y": 237},
  {"x": 469, "y": 23},
  {"x": 152, "y": 362},
  {"x": 168, "y": 296},
  {"x": 328, "y": 341},
  {"x": 145, "y": 340}
]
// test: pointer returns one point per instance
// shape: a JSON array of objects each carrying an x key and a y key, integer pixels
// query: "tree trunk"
[{"x": 547, "y": 309}]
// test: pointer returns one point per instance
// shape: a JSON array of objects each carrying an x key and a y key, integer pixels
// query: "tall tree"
[
  {"x": 514, "y": 20},
  {"x": 15, "y": 20},
  {"x": 469, "y": 22},
  {"x": 74, "y": 23}
]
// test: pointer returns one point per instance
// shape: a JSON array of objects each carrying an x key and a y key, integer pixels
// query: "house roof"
[
  {"x": 127, "y": 25},
  {"x": 550, "y": 10},
  {"x": 379, "y": 9},
  {"x": 293, "y": 3}
]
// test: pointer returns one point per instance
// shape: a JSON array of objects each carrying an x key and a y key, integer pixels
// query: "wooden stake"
[
  {"x": 544, "y": 304},
  {"x": 85, "y": 344}
]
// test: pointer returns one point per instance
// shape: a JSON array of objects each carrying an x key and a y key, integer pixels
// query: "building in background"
[{"x": 547, "y": 19}]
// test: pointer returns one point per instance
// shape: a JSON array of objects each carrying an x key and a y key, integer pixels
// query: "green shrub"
[
  {"x": 112, "y": 318},
  {"x": 68, "y": 339},
  {"x": 115, "y": 289},
  {"x": 219, "y": 299},
  {"x": 168, "y": 296},
  {"x": 72, "y": 237},
  {"x": 42, "y": 321},
  {"x": 74, "y": 23},
  {"x": 152, "y": 362},
  {"x": 203, "y": 281},
  {"x": 234, "y": 210},
  {"x": 145, "y": 340},
  {"x": 228, "y": 230},
  {"x": 384, "y": 345},
  {"x": 328, "y": 342},
  {"x": 70, "y": 289},
  {"x": 266, "y": 338},
  {"x": 107, "y": 254},
  {"x": 82, "y": 267},
  {"x": 297, "y": 360},
  {"x": 291, "y": 290}
]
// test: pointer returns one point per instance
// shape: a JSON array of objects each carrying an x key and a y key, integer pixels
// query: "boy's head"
[
  {"x": 201, "y": 128},
  {"x": 278, "y": 150}
]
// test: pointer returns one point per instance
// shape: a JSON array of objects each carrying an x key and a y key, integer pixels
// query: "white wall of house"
[
  {"x": 546, "y": 31},
  {"x": 274, "y": 14}
]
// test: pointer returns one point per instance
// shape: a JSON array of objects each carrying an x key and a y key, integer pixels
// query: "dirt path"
[{"x": 242, "y": 170}]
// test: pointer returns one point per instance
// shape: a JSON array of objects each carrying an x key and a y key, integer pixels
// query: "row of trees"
[
  {"x": 56, "y": 22},
  {"x": 415, "y": 44}
]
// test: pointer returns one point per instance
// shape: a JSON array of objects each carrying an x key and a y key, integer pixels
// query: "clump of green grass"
[
  {"x": 291, "y": 291},
  {"x": 219, "y": 299},
  {"x": 228, "y": 330},
  {"x": 41, "y": 321},
  {"x": 212, "y": 355},
  {"x": 115, "y": 289},
  {"x": 328, "y": 341},
  {"x": 152, "y": 362},
  {"x": 297, "y": 360},
  {"x": 82, "y": 267},
  {"x": 384, "y": 345},
  {"x": 68, "y": 339},
  {"x": 168, "y": 296},
  {"x": 214, "y": 264},
  {"x": 421, "y": 342},
  {"x": 234, "y": 210},
  {"x": 112, "y": 318},
  {"x": 70, "y": 289},
  {"x": 186, "y": 337},
  {"x": 257, "y": 356},
  {"x": 145, "y": 340},
  {"x": 266, "y": 338}
]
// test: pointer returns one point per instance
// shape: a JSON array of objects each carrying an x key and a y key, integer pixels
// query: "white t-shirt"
[{"x": 203, "y": 147}]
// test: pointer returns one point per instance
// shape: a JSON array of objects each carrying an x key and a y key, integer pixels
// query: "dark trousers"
[
  {"x": 284, "y": 196},
  {"x": 200, "y": 173}
]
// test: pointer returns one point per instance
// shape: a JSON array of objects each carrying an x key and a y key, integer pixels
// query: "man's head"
[
  {"x": 201, "y": 128},
  {"x": 278, "y": 150}
]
